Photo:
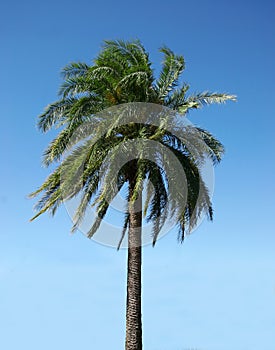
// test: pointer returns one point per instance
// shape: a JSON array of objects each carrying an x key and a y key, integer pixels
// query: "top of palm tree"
[{"x": 122, "y": 74}]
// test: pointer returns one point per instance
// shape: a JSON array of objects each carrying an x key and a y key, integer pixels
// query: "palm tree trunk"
[{"x": 133, "y": 311}]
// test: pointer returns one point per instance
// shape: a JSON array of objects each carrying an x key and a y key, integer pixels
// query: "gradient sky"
[{"x": 214, "y": 292}]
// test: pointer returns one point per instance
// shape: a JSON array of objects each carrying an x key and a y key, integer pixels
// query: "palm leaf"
[
  {"x": 74, "y": 69},
  {"x": 173, "y": 66},
  {"x": 202, "y": 99}
]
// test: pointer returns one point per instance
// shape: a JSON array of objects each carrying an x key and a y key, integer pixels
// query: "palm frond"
[
  {"x": 216, "y": 149},
  {"x": 177, "y": 97},
  {"x": 74, "y": 86},
  {"x": 52, "y": 181},
  {"x": 198, "y": 200},
  {"x": 74, "y": 69},
  {"x": 131, "y": 52},
  {"x": 101, "y": 212},
  {"x": 173, "y": 66},
  {"x": 157, "y": 202},
  {"x": 58, "y": 146},
  {"x": 54, "y": 113},
  {"x": 204, "y": 98},
  {"x": 138, "y": 78},
  {"x": 51, "y": 199},
  {"x": 89, "y": 190}
]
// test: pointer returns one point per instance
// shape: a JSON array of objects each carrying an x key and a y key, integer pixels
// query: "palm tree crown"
[{"x": 121, "y": 74}]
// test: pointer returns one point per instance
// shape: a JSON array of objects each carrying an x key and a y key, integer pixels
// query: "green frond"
[
  {"x": 54, "y": 113},
  {"x": 73, "y": 173},
  {"x": 101, "y": 212},
  {"x": 108, "y": 151},
  {"x": 74, "y": 86},
  {"x": 89, "y": 190},
  {"x": 157, "y": 200},
  {"x": 132, "y": 52},
  {"x": 49, "y": 202},
  {"x": 176, "y": 98},
  {"x": 156, "y": 230},
  {"x": 102, "y": 72},
  {"x": 74, "y": 69},
  {"x": 141, "y": 170},
  {"x": 149, "y": 196},
  {"x": 216, "y": 149},
  {"x": 79, "y": 112},
  {"x": 139, "y": 78},
  {"x": 57, "y": 147},
  {"x": 173, "y": 66},
  {"x": 195, "y": 143},
  {"x": 202, "y": 99},
  {"x": 52, "y": 181},
  {"x": 198, "y": 200},
  {"x": 84, "y": 107}
]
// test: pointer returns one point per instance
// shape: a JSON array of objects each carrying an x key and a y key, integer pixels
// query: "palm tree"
[{"x": 121, "y": 75}]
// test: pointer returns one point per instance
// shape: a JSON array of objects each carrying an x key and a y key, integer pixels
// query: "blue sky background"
[{"x": 217, "y": 290}]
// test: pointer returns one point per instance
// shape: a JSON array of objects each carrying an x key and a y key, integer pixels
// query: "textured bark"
[{"x": 133, "y": 311}]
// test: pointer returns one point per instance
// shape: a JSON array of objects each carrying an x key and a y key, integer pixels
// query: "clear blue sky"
[{"x": 217, "y": 290}]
